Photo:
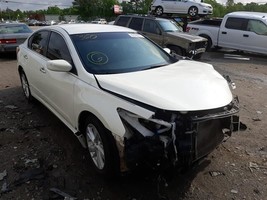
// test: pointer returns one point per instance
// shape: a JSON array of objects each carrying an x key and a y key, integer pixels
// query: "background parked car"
[
  {"x": 190, "y": 7},
  {"x": 245, "y": 31},
  {"x": 12, "y": 35},
  {"x": 99, "y": 21},
  {"x": 165, "y": 33}
]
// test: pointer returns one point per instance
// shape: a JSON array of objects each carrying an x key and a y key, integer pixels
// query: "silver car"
[{"x": 12, "y": 35}]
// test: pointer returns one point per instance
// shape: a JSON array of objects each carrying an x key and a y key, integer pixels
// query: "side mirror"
[
  {"x": 167, "y": 50},
  {"x": 58, "y": 65}
]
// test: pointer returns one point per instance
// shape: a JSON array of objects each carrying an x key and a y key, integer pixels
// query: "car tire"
[
  {"x": 25, "y": 86},
  {"x": 209, "y": 44},
  {"x": 193, "y": 11},
  {"x": 102, "y": 148},
  {"x": 176, "y": 50},
  {"x": 159, "y": 11}
]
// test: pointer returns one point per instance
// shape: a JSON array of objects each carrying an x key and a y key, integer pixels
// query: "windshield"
[
  {"x": 14, "y": 28},
  {"x": 108, "y": 53},
  {"x": 169, "y": 26}
]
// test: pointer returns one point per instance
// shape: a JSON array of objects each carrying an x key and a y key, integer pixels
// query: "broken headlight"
[{"x": 146, "y": 127}]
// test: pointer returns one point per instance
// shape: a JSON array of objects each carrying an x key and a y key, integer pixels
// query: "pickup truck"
[
  {"x": 165, "y": 33},
  {"x": 245, "y": 31}
]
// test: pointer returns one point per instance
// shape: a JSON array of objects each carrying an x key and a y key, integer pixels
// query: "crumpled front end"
[{"x": 175, "y": 138}]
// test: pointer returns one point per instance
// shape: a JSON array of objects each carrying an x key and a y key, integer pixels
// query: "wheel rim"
[
  {"x": 193, "y": 12},
  {"x": 159, "y": 11},
  {"x": 95, "y": 146},
  {"x": 25, "y": 86}
]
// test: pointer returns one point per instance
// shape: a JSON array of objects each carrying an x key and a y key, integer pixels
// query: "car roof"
[
  {"x": 88, "y": 28},
  {"x": 249, "y": 14},
  {"x": 146, "y": 16},
  {"x": 11, "y": 24}
]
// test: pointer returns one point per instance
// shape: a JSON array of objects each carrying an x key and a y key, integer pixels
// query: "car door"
[
  {"x": 256, "y": 36},
  {"x": 180, "y": 6},
  {"x": 34, "y": 61},
  {"x": 169, "y": 6},
  {"x": 59, "y": 86},
  {"x": 152, "y": 30},
  {"x": 232, "y": 34}
]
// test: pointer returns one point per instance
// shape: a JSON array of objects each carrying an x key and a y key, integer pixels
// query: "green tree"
[
  {"x": 218, "y": 9},
  {"x": 94, "y": 8},
  {"x": 54, "y": 10},
  {"x": 230, "y": 3}
]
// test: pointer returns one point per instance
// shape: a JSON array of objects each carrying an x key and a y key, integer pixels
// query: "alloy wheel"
[{"x": 95, "y": 146}]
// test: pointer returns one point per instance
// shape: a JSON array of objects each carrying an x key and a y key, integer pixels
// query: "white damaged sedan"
[{"x": 125, "y": 98}]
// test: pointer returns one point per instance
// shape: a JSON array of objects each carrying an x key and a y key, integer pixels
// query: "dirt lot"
[{"x": 37, "y": 152}]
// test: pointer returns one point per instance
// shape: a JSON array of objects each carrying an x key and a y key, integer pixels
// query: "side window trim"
[
  {"x": 30, "y": 42},
  {"x": 74, "y": 70}
]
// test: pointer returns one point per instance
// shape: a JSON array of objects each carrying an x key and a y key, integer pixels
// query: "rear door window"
[
  {"x": 123, "y": 21},
  {"x": 136, "y": 23},
  {"x": 38, "y": 42},
  {"x": 150, "y": 26},
  {"x": 236, "y": 23}
]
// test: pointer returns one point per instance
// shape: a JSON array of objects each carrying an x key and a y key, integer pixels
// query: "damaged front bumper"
[{"x": 175, "y": 138}]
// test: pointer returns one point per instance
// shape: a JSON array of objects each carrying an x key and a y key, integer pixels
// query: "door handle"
[
  {"x": 42, "y": 70},
  {"x": 224, "y": 32},
  {"x": 245, "y": 35},
  {"x": 25, "y": 56}
]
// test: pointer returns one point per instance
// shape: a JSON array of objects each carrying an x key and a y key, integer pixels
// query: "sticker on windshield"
[
  {"x": 136, "y": 35},
  {"x": 88, "y": 37},
  {"x": 97, "y": 58}
]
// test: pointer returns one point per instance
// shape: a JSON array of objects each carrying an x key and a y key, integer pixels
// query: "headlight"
[{"x": 146, "y": 127}]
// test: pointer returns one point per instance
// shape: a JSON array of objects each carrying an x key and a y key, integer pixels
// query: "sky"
[
  {"x": 34, "y": 4},
  {"x": 41, "y": 5}
]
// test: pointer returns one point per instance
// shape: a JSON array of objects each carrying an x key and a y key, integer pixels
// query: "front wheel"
[
  {"x": 101, "y": 147},
  {"x": 193, "y": 11}
]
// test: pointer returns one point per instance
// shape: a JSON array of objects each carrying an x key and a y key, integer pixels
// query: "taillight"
[{"x": 8, "y": 41}]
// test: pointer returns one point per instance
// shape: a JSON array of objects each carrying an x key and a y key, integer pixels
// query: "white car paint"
[
  {"x": 181, "y": 87},
  {"x": 170, "y": 88}
]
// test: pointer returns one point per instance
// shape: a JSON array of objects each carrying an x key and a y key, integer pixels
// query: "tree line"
[{"x": 89, "y": 9}]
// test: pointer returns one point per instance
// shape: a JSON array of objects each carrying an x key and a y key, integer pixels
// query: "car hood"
[
  {"x": 186, "y": 36},
  {"x": 182, "y": 86}
]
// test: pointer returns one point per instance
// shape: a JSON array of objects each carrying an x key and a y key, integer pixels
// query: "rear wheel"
[
  {"x": 159, "y": 11},
  {"x": 101, "y": 147},
  {"x": 25, "y": 86},
  {"x": 193, "y": 11}
]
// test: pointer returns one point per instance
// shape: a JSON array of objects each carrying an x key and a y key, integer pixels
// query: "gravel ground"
[{"x": 39, "y": 154}]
